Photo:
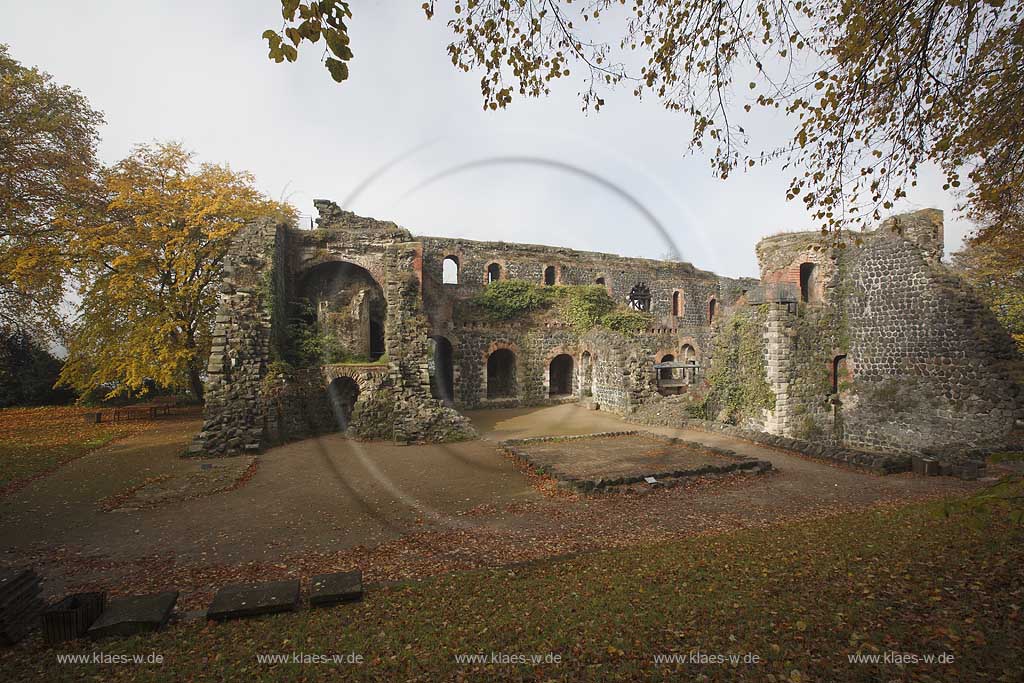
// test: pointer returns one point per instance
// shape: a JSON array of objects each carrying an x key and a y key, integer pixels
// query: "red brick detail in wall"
[
  {"x": 789, "y": 275},
  {"x": 417, "y": 263}
]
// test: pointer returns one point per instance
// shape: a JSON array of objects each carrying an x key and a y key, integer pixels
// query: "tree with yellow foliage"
[
  {"x": 147, "y": 256},
  {"x": 48, "y": 137}
]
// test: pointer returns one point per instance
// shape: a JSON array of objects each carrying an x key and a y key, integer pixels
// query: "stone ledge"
[
  {"x": 515, "y": 449},
  {"x": 877, "y": 463}
]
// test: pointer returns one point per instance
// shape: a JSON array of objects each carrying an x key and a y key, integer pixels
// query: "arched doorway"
[
  {"x": 501, "y": 374},
  {"x": 345, "y": 307},
  {"x": 560, "y": 375},
  {"x": 442, "y": 370},
  {"x": 343, "y": 393},
  {"x": 666, "y": 373}
]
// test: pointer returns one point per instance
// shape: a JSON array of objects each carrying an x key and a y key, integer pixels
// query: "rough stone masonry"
[{"x": 874, "y": 346}]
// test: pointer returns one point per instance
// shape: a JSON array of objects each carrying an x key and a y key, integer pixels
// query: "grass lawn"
[
  {"x": 803, "y": 598},
  {"x": 34, "y": 441}
]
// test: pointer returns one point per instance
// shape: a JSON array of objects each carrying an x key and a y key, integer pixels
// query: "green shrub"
[
  {"x": 583, "y": 306},
  {"x": 626, "y": 321},
  {"x": 738, "y": 384},
  {"x": 509, "y": 299}
]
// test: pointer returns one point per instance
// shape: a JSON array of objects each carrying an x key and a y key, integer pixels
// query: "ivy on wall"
[
  {"x": 738, "y": 383},
  {"x": 582, "y": 306}
]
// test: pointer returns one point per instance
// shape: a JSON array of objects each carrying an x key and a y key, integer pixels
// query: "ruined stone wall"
[
  {"x": 296, "y": 406},
  {"x": 245, "y": 410},
  {"x": 622, "y": 373},
  {"x": 535, "y": 342},
  {"x": 528, "y": 262},
  {"x": 926, "y": 368},
  {"x": 234, "y": 417}
]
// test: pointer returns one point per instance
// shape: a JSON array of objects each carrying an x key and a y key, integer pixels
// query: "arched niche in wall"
[
  {"x": 678, "y": 303},
  {"x": 550, "y": 275},
  {"x": 345, "y": 305},
  {"x": 666, "y": 373}
]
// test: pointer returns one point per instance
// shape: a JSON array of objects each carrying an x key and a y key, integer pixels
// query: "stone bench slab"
[
  {"x": 339, "y": 587},
  {"x": 253, "y": 599},
  {"x": 133, "y": 615}
]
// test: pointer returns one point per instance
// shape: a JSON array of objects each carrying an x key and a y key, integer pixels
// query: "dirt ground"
[
  {"x": 394, "y": 511},
  {"x": 621, "y": 455}
]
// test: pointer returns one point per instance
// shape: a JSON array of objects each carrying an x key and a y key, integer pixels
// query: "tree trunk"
[{"x": 195, "y": 381}]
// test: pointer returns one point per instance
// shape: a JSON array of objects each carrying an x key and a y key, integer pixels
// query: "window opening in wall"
[
  {"x": 808, "y": 273},
  {"x": 838, "y": 370},
  {"x": 549, "y": 275},
  {"x": 677, "y": 309},
  {"x": 599, "y": 281},
  {"x": 450, "y": 271},
  {"x": 712, "y": 306},
  {"x": 640, "y": 297},
  {"x": 493, "y": 273}
]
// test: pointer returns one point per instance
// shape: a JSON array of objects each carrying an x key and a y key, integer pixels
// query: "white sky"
[{"x": 197, "y": 71}]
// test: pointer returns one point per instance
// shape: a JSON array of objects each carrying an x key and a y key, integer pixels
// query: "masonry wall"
[
  {"x": 234, "y": 413},
  {"x": 247, "y": 410},
  {"x": 926, "y": 368},
  {"x": 535, "y": 342}
]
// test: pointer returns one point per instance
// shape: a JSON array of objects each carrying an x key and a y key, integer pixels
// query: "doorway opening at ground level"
[
  {"x": 560, "y": 375},
  {"x": 343, "y": 393},
  {"x": 442, "y": 370},
  {"x": 501, "y": 374}
]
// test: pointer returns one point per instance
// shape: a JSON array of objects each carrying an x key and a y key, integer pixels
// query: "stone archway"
[
  {"x": 442, "y": 369},
  {"x": 560, "y": 375},
  {"x": 666, "y": 373},
  {"x": 343, "y": 392},
  {"x": 344, "y": 304},
  {"x": 501, "y": 374}
]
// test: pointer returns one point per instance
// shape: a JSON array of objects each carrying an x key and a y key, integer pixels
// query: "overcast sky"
[{"x": 197, "y": 71}]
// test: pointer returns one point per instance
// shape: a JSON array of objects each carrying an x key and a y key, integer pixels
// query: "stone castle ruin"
[{"x": 359, "y": 325}]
